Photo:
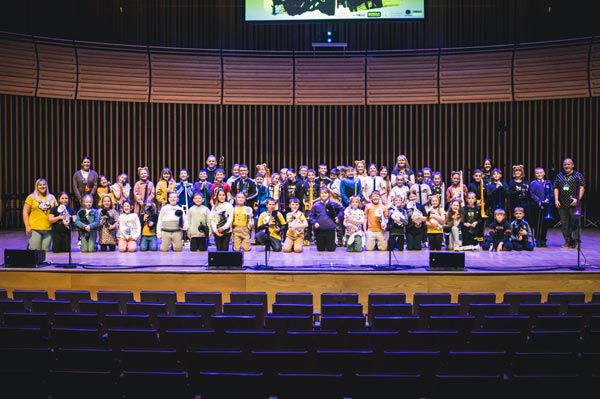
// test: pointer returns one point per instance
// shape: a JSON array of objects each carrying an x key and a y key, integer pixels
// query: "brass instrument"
[
  {"x": 481, "y": 194},
  {"x": 577, "y": 212},
  {"x": 548, "y": 193},
  {"x": 443, "y": 196},
  {"x": 462, "y": 191}
]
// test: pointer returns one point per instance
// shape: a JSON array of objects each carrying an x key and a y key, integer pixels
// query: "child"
[
  {"x": 269, "y": 227},
  {"x": 325, "y": 217},
  {"x": 396, "y": 223},
  {"x": 521, "y": 231},
  {"x": 221, "y": 220},
  {"x": 171, "y": 224},
  {"x": 350, "y": 186},
  {"x": 386, "y": 186},
  {"x": 243, "y": 221},
  {"x": 198, "y": 221},
  {"x": 265, "y": 171},
  {"x": 354, "y": 221},
  {"x": 335, "y": 195},
  {"x": 165, "y": 185},
  {"x": 129, "y": 229},
  {"x": 541, "y": 197},
  {"x": 203, "y": 186},
  {"x": 184, "y": 190},
  {"x": 416, "y": 219},
  {"x": 262, "y": 194},
  {"x": 235, "y": 173},
  {"x": 454, "y": 220},
  {"x": 104, "y": 189},
  {"x": 143, "y": 190},
  {"x": 472, "y": 227},
  {"x": 436, "y": 218},
  {"x": 438, "y": 188},
  {"x": 88, "y": 220},
  {"x": 121, "y": 190},
  {"x": 498, "y": 237},
  {"x": 310, "y": 191},
  {"x": 518, "y": 189},
  {"x": 456, "y": 191},
  {"x": 220, "y": 184},
  {"x": 322, "y": 180},
  {"x": 61, "y": 217},
  {"x": 149, "y": 242},
  {"x": 297, "y": 223},
  {"x": 400, "y": 189},
  {"x": 496, "y": 191},
  {"x": 109, "y": 224},
  {"x": 274, "y": 190},
  {"x": 423, "y": 189},
  {"x": 373, "y": 182},
  {"x": 375, "y": 223}
]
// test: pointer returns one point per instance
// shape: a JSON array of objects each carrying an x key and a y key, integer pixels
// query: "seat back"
[
  {"x": 74, "y": 296},
  {"x": 169, "y": 298},
  {"x": 214, "y": 297},
  {"x": 122, "y": 297}
]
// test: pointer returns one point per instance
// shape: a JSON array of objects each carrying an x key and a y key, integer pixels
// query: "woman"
[
  {"x": 36, "y": 213},
  {"x": 85, "y": 181}
]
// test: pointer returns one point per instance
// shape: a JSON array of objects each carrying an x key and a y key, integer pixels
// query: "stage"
[{"x": 548, "y": 269}]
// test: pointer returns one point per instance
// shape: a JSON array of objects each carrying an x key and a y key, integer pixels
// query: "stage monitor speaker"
[
  {"x": 23, "y": 257},
  {"x": 225, "y": 260},
  {"x": 447, "y": 261}
]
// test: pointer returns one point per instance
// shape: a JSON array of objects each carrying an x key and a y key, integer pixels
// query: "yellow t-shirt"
[
  {"x": 240, "y": 217},
  {"x": 272, "y": 232},
  {"x": 40, "y": 210}
]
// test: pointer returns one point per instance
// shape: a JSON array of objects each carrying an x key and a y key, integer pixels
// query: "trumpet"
[{"x": 481, "y": 194}]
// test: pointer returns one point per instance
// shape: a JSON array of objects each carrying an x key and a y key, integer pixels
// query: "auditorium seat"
[
  {"x": 182, "y": 340},
  {"x": 217, "y": 359},
  {"x": 429, "y": 297},
  {"x": 120, "y": 296},
  {"x": 72, "y": 319},
  {"x": 426, "y": 310},
  {"x": 564, "y": 298},
  {"x": 119, "y": 338},
  {"x": 389, "y": 309},
  {"x": 284, "y": 323},
  {"x": 338, "y": 298},
  {"x": 178, "y": 321},
  {"x": 548, "y": 374},
  {"x": 554, "y": 341},
  {"x": 26, "y": 336},
  {"x": 294, "y": 297},
  {"x": 76, "y": 337},
  {"x": 312, "y": 340},
  {"x": 249, "y": 297},
  {"x": 256, "y": 309},
  {"x": 23, "y": 371},
  {"x": 467, "y": 298},
  {"x": 214, "y": 297},
  {"x": 3, "y": 294},
  {"x": 343, "y": 323},
  {"x": 558, "y": 322},
  {"x": 156, "y": 359},
  {"x": 251, "y": 339},
  {"x": 518, "y": 323},
  {"x": 219, "y": 385},
  {"x": 536, "y": 309},
  {"x": 28, "y": 295},
  {"x": 401, "y": 324},
  {"x": 85, "y": 358},
  {"x": 50, "y": 306},
  {"x": 74, "y": 296},
  {"x": 118, "y": 320},
  {"x": 154, "y": 384},
  {"x": 11, "y": 305},
  {"x": 514, "y": 299},
  {"x": 152, "y": 309},
  {"x": 74, "y": 384},
  {"x": 462, "y": 323},
  {"x": 203, "y": 309},
  {"x": 167, "y": 297},
  {"x": 223, "y": 322}
]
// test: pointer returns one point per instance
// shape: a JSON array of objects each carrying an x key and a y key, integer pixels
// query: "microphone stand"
[{"x": 579, "y": 267}]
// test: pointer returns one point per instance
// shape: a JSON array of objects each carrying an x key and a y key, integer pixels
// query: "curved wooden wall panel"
[
  {"x": 328, "y": 80},
  {"x": 595, "y": 70},
  {"x": 466, "y": 78},
  {"x": 559, "y": 72},
  {"x": 258, "y": 80},
  {"x": 402, "y": 80},
  {"x": 18, "y": 67},
  {"x": 182, "y": 78},
  {"x": 113, "y": 75},
  {"x": 58, "y": 71}
]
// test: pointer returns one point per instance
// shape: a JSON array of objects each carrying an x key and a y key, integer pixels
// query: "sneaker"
[
  {"x": 306, "y": 243},
  {"x": 566, "y": 245}
]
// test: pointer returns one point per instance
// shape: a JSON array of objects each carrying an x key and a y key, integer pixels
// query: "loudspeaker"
[
  {"x": 452, "y": 261},
  {"x": 23, "y": 257},
  {"x": 225, "y": 260}
]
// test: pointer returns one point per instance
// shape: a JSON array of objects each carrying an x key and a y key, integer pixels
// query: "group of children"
[{"x": 379, "y": 210}]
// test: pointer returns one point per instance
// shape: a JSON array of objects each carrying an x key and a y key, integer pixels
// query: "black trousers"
[{"x": 325, "y": 240}]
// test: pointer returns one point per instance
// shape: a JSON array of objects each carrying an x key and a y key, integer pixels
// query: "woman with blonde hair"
[{"x": 36, "y": 212}]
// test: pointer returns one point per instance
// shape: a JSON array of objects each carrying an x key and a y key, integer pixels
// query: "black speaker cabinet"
[
  {"x": 225, "y": 260},
  {"x": 23, "y": 257},
  {"x": 448, "y": 261}
]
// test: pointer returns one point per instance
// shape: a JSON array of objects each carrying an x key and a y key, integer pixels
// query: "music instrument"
[
  {"x": 248, "y": 211},
  {"x": 416, "y": 213},
  {"x": 462, "y": 191},
  {"x": 548, "y": 200},
  {"x": 481, "y": 194},
  {"x": 577, "y": 212},
  {"x": 399, "y": 217},
  {"x": 293, "y": 221},
  {"x": 443, "y": 196}
]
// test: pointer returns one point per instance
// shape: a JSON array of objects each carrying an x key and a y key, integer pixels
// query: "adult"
[
  {"x": 569, "y": 187},
  {"x": 402, "y": 167},
  {"x": 325, "y": 216},
  {"x": 36, "y": 212},
  {"x": 85, "y": 181}
]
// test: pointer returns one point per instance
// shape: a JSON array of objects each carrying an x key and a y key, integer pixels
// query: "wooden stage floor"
[{"x": 545, "y": 270}]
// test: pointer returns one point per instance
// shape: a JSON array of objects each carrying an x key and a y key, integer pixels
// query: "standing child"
[
  {"x": 456, "y": 191},
  {"x": 243, "y": 221},
  {"x": 472, "y": 227},
  {"x": 149, "y": 219},
  {"x": 541, "y": 198},
  {"x": 129, "y": 229},
  {"x": 436, "y": 218},
  {"x": 498, "y": 236},
  {"x": 221, "y": 221},
  {"x": 88, "y": 220},
  {"x": 198, "y": 217},
  {"x": 274, "y": 189},
  {"x": 496, "y": 191},
  {"x": 296, "y": 222},
  {"x": 121, "y": 191},
  {"x": 104, "y": 189},
  {"x": 165, "y": 185},
  {"x": 171, "y": 225},
  {"x": 109, "y": 224},
  {"x": 310, "y": 191},
  {"x": 416, "y": 220},
  {"x": 270, "y": 224},
  {"x": 521, "y": 231},
  {"x": 203, "y": 186},
  {"x": 220, "y": 184},
  {"x": 354, "y": 221},
  {"x": 396, "y": 223},
  {"x": 454, "y": 221},
  {"x": 61, "y": 217},
  {"x": 518, "y": 190},
  {"x": 143, "y": 190},
  {"x": 400, "y": 189}
]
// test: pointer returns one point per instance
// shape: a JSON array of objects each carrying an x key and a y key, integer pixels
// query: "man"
[
  {"x": 246, "y": 185},
  {"x": 569, "y": 187}
]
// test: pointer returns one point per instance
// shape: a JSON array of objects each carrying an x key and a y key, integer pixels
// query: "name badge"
[{"x": 566, "y": 187}]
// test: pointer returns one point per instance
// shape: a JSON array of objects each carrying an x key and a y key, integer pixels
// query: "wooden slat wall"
[
  {"x": 58, "y": 71},
  {"x": 595, "y": 70},
  {"x": 113, "y": 75},
  {"x": 402, "y": 80},
  {"x": 258, "y": 80},
  {"x": 120, "y": 136},
  {"x": 18, "y": 67},
  {"x": 328, "y": 80},
  {"x": 182, "y": 78},
  {"x": 482, "y": 77},
  {"x": 551, "y": 73}
]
